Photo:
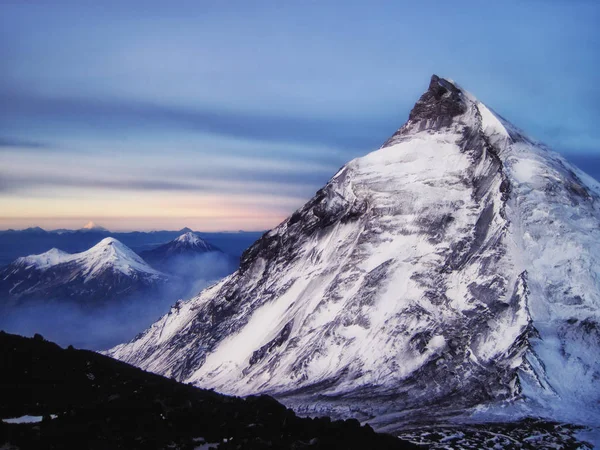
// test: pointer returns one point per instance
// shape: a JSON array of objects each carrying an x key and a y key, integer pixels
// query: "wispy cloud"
[
  {"x": 170, "y": 172},
  {"x": 109, "y": 115},
  {"x": 34, "y": 185},
  {"x": 21, "y": 143}
]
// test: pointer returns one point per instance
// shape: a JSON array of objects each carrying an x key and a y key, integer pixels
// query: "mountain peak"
[
  {"x": 188, "y": 237},
  {"x": 192, "y": 241},
  {"x": 108, "y": 241},
  {"x": 111, "y": 253},
  {"x": 92, "y": 226},
  {"x": 437, "y": 108},
  {"x": 441, "y": 100},
  {"x": 44, "y": 260},
  {"x": 112, "y": 246}
]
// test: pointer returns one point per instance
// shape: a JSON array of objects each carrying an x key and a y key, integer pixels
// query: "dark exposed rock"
[
  {"x": 523, "y": 434},
  {"x": 91, "y": 401},
  {"x": 276, "y": 342},
  {"x": 434, "y": 110},
  {"x": 440, "y": 102}
]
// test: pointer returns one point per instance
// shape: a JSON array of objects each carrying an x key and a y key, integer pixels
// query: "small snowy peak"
[
  {"x": 44, "y": 260},
  {"x": 188, "y": 244},
  {"x": 91, "y": 226},
  {"x": 190, "y": 257},
  {"x": 107, "y": 272},
  {"x": 192, "y": 240},
  {"x": 110, "y": 242},
  {"x": 189, "y": 238},
  {"x": 110, "y": 253},
  {"x": 107, "y": 241},
  {"x": 111, "y": 247}
]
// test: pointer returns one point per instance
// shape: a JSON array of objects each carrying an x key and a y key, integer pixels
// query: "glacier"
[{"x": 451, "y": 275}]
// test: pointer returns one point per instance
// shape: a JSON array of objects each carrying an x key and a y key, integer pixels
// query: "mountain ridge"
[
  {"x": 425, "y": 277},
  {"x": 59, "y": 275}
]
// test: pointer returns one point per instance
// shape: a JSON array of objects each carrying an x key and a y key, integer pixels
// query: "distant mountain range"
[{"x": 35, "y": 240}]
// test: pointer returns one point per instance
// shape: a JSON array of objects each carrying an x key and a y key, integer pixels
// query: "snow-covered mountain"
[
  {"x": 91, "y": 226},
  {"x": 193, "y": 261},
  {"x": 107, "y": 271},
  {"x": 188, "y": 244},
  {"x": 453, "y": 273}
]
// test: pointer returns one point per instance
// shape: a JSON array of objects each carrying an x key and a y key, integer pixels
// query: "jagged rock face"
[{"x": 425, "y": 277}]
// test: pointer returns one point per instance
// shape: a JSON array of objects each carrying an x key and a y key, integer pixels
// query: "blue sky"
[{"x": 230, "y": 115}]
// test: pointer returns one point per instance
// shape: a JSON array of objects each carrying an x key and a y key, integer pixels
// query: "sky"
[{"x": 230, "y": 115}]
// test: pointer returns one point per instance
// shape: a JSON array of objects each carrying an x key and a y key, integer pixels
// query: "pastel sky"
[{"x": 230, "y": 115}]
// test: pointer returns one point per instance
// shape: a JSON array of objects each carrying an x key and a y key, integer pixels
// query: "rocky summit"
[{"x": 451, "y": 276}]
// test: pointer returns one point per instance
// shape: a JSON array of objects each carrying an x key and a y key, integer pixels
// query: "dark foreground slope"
[{"x": 101, "y": 403}]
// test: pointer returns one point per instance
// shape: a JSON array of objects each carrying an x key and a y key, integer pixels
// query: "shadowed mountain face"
[
  {"x": 90, "y": 401},
  {"x": 425, "y": 276}
]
